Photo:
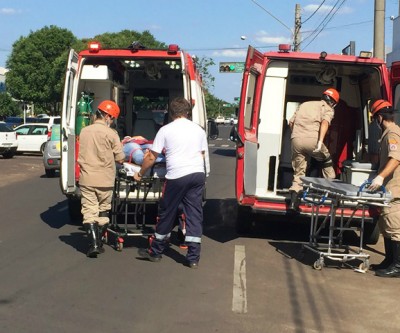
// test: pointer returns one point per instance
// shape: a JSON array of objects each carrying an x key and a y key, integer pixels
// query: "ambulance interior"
[
  {"x": 141, "y": 87},
  {"x": 351, "y": 139}
]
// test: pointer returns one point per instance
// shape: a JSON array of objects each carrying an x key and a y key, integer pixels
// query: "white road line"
[{"x": 239, "y": 299}]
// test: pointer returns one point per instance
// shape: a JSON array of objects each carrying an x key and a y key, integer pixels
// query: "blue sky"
[{"x": 208, "y": 28}]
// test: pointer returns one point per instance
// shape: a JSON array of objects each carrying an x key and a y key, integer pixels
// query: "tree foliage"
[
  {"x": 37, "y": 65},
  {"x": 8, "y": 107}
]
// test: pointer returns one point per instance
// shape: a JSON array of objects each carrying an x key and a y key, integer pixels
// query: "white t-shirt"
[{"x": 183, "y": 142}]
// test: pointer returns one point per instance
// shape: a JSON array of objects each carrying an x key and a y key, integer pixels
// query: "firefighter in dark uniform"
[
  {"x": 309, "y": 125},
  {"x": 389, "y": 177},
  {"x": 185, "y": 146},
  {"x": 99, "y": 148}
]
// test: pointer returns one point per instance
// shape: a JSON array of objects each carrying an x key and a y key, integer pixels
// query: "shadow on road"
[{"x": 224, "y": 152}]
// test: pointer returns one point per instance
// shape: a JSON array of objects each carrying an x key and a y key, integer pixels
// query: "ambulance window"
[{"x": 248, "y": 111}]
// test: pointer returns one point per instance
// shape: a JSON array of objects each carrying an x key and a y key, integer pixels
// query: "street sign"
[{"x": 231, "y": 67}]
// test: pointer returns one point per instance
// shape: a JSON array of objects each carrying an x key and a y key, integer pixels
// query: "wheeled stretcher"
[
  {"x": 338, "y": 196},
  {"x": 130, "y": 201}
]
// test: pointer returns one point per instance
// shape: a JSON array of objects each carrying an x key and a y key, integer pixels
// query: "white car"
[
  {"x": 220, "y": 120},
  {"x": 8, "y": 141},
  {"x": 32, "y": 137}
]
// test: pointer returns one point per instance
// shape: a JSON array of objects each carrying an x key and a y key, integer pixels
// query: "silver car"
[{"x": 51, "y": 153}]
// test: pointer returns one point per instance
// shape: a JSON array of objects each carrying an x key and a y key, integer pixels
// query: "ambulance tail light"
[
  {"x": 173, "y": 49},
  {"x": 94, "y": 47}
]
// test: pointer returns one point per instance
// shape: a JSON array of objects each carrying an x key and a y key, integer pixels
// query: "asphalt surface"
[{"x": 260, "y": 283}]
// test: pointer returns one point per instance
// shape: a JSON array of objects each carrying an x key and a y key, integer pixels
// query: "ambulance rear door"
[
  {"x": 395, "y": 82},
  {"x": 186, "y": 77},
  {"x": 247, "y": 145},
  {"x": 68, "y": 116}
]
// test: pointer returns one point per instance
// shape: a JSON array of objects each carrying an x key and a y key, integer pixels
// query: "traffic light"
[
  {"x": 231, "y": 67},
  {"x": 227, "y": 68}
]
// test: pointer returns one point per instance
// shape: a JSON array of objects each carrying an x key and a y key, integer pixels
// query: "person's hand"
[
  {"x": 137, "y": 177},
  {"x": 318, "y": 147},
  {"x": 376, "y": 184}
]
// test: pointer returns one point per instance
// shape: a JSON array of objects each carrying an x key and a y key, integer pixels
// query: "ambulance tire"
[
  {"x": 243, "y": 221},
  {"x": 74, "y": 210},
  {"x": 371, "y": 233}
]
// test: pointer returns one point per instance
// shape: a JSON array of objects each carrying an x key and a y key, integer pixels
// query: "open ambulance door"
[
  {"x": 247, "y": 144},
  {"x": 68, "y": 115},
  {"x": 395, "y": 81},
  {"x": 186, "y": 78}
]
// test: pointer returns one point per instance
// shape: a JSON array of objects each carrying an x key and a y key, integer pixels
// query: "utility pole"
[
  {"x": 379, "y": 29},
  {"x": 297, "y": 27}
]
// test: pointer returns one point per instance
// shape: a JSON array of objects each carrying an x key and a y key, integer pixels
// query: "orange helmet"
[
  {"x": 379, "y": 105},
  {"x": 332, "y": 93},
  {"x": 110, "y": 108}
]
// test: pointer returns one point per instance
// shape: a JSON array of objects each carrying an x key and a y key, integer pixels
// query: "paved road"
[{"x": 260, "y": 283}]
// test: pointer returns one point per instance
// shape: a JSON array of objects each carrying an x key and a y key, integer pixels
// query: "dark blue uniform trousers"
[{"x": 187, "y": 190}]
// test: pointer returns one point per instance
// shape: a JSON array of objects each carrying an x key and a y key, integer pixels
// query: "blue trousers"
[{"x": 188, "y": 191}]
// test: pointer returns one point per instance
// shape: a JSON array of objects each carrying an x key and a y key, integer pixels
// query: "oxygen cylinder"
[{"x": 84, "y": 112}]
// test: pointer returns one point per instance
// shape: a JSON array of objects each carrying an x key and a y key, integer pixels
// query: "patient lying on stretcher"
[{"x": 135, "y": 149}]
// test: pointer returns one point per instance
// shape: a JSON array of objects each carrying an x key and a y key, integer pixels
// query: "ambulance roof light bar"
[
  {"x": 173, "y": 49},
  {"x": 284, "y": 48},
  {"x": 94, "y": 47}
]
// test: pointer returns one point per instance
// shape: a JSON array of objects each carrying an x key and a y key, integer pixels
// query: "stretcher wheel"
[
  {"x": 364, "y": 266},
  {"x": 318, "y": 264},
  {"x": 119, "y": 244}
]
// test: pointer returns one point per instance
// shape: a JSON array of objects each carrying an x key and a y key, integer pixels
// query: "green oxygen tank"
[{"x": 84, "y": 111}]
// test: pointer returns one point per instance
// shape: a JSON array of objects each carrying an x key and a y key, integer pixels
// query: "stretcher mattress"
[{"x": 342, "y": 188}]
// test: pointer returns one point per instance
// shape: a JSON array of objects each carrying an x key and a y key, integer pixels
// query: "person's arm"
[
  {"x": 148, "y": 161},
  {"x": 322, "y": 130},
  {"x": 388, "y": 169}
]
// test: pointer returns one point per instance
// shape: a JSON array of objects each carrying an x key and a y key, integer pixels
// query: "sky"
[{"x": 218, "y": 29}]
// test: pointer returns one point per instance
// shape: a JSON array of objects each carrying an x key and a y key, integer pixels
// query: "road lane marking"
[{"x": 239, "y": 299}]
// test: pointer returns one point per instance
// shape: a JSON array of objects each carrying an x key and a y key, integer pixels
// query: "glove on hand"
[
  {"x": 318, "y": 147},
  {"x": 376, "y": 184}
]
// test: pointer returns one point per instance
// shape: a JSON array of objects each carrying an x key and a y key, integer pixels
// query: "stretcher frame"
[
  {"x": 131, "y": 198},
  {"x": 316, "y": 196}
]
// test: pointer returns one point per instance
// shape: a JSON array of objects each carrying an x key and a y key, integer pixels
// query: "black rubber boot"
[
  {"x": 394, "y": 268},
  {"x": 388, "y": 256},
  {"x": 92, "y": 230},
  {"x": 102, "y": 234},
  {"x": 294, "y": 202}
]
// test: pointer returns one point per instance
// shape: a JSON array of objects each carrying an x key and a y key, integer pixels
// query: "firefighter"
[
  {"x": 185, "y": 146},
  {"x": 389, "y": 177},
  {"x": 309, "y": 125},
  {"x": 99, "y": 149}
]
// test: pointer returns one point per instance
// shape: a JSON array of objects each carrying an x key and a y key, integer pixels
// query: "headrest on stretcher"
[
  {"x": 157, "y": 171},
  {"x": 339, "y": 187}
]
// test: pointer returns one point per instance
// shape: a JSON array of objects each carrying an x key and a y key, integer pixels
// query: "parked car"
[
  {"x": 51, "y": 120},
  {"x": 14, "y": 121},
  {"x": 8, "y": 141},
  {"x": 32, "y": 137},
  {"x": 220, "y": 120},
  {"x": 51, "y": 153}
]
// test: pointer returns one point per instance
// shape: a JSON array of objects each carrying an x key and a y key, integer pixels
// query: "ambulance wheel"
[
  {"x": 243, "y": 221},
  {"x": 371, "y": 232}
]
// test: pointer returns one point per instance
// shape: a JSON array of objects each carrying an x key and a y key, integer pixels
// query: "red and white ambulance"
[
  {"x": 141, "y": 81},
  {"x": 274, "y": 84}
]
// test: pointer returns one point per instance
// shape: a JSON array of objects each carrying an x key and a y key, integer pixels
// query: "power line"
[
  {"x": 325, "y": 21},
  {"x": 269, "y": 13},
  {"x": 313, "y": 12}
]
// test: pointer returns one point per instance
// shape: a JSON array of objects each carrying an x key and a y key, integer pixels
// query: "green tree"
[
  {"x": 8, "y": 107},
  {"x": 37, "y": 65},
  {"x": 125, "y": 38}
]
